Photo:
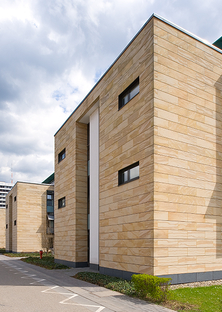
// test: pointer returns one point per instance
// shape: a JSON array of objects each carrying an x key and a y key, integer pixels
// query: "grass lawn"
[
  {"x": 207, "y": 299},
  {"x": 22, "y": 254},
  {"x": 200, "y": 299},
  {"x": 46, "y": 262}
]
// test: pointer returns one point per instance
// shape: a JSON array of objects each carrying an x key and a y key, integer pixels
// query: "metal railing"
[{"x": 50, "y": 230}]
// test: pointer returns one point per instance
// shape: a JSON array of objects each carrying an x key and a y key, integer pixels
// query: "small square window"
[
  {"x": 129, "y": 93},
  {"x": 129, "y": 173},
  {"x": 62, "y": 155},
  {"x": 62, "y": 202}
]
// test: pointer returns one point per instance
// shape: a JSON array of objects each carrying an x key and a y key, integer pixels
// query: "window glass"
[
  {"x": 134, "y": 92},
  {"x": 62, "y": 155},
  {"x": 88, "y": 167},
  {"x": 125, "y": 100},
  {"x": 129, "y": 173},
  {"x": 49, "y": 202},
  {"x": 129, "y": 93},
  {"x": 125, "y": 176},
  {"x": 134, "y": 172},
  {"x": 61, "y": 202}
]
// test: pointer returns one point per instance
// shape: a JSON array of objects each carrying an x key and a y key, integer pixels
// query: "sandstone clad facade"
[
  {"x": 2, "y": 228},
  {"x": 167, "y": 219},
  {"x": 26, "y": 217}
]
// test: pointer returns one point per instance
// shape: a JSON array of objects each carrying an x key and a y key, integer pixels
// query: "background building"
[
  {"x": 138, "y": 164},
  {"x": 30, "y": 217},
  {"x": 4, "y": 189}
]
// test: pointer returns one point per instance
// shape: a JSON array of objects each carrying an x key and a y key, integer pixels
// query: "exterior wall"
[
  {"x": 2, "y": 228},
  {"x": 4, "y": 189},
  {"x": 169, "y": 221},
  {"x": 187, "y": 166},
  {"x": 70, "y": 225},
  {"x": 94, "y": 188},
  {"x": 126, "y": 136},
  {"x": 29, "y": 211},
  {"x": 11, "y": 216},
  {"x": 81, "y": 238}
]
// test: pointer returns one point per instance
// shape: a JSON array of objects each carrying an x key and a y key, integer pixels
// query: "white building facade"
[{"x": 4, "y": 189}]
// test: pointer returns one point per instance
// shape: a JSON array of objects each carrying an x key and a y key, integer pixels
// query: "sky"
[{"x": 51, "y": 55}]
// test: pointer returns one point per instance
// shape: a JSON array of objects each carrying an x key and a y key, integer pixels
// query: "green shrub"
[
  {"x": 110, "y": 282},
  {"x": 46, "y": 262},
  {"x": 152, "y": 286}
]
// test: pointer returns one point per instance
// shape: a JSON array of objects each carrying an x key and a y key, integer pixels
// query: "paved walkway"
[{"x": 79, "y": 293}]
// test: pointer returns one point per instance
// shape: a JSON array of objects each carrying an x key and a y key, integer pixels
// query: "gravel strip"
[{"x": 197, "y": 284}]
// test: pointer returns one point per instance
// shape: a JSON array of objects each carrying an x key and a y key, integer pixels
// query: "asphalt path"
[{"x": 28, "y": 288}]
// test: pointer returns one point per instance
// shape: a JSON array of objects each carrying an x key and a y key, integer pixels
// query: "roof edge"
[
  {"x": 144, "y": 25},
  {"x": 34, "y": 183},
  {"x": 188, "y": 33}
]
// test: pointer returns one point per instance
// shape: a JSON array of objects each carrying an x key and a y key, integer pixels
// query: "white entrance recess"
[{"x": 94, "y": 187}]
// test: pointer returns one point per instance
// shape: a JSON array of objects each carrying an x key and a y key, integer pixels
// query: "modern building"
[
  {"x": 50, "y": 211},
  {"x": 138, "y": 164},
  {"x": 49, "y": 180},
  {"x": 30, "y": 217},
  {"x": 4, "y": 189}
]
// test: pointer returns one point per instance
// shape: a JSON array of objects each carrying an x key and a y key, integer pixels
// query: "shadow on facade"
[{"x": 214, "y": 210}]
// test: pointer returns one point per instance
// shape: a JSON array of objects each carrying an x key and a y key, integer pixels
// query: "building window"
[
  {"x": 15, "y": 222},
  {"x": 61, "y": 202},
  {"x": 14, "y": 198},
  {"x": 6, "y": 206},
  {"x": 129, "y": 173},
  {"x": 62, "y": 155},
  {"x": 6, "y": 226},
  {"x": 129, "y": 93},
  {"x": 50, "y": 201}
]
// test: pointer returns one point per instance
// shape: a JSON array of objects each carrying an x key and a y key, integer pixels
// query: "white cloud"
[{"x": 52, "y": 53}]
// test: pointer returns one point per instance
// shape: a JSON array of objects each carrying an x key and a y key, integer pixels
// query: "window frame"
[
  {"x": 61, "y": 201},
  {"x": 127, "y": 170},
  {"x": 127, "y": 91},
  {"x": 62, "y": 155}
]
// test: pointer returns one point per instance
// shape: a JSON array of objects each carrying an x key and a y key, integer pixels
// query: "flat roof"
[
  {"x": 34, "y": 183},
  {"x": 163, "y": 20}
]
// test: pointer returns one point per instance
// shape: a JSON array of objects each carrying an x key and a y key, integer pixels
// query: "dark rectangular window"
[
  {"x": 129, "y": 93},
  {"x": 62, "y": 155},
  {"x": 50, "y": 201},
  {"x": 14, "y": 198},
  {"x": 6, "y": 226},
  {"x": 62, "y": 202},
  {"x": 6, "y": 206},
  {"x": 129, "y": 173},
  {"x": 15, "y": 222}
]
